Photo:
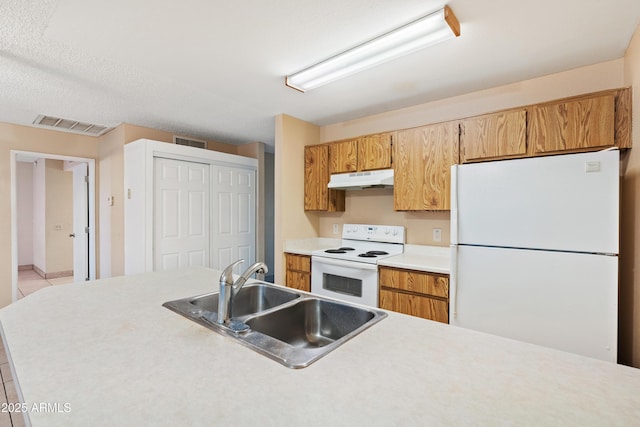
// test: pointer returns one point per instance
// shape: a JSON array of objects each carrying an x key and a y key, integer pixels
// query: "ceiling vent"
[
  {"x": 189, "y": 142},
  {"x": 73, "y": 126}
]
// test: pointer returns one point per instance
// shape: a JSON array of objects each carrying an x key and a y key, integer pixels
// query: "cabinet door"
[
  {"x": 298, "y": 280},
  {"x": 494, "y": 136},
  {"x": 317, "y": 196},
  {"x": 233, "y": 203},
  {"x": 298, "y": 272},
  {"x": 415, "y": 281},
  {"x": 573, "y": 125},
  {"x": 422, "y": 167},
  {"x": 343, "y": 156},
  {"x": 298, "y": 262},
  {"x": 415, "y": 305},
  {"x": 374, "y": 152},
  {"x": 181, "y": 214}
]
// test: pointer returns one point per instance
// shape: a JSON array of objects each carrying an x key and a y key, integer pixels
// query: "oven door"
[{"x": 350, "y": 281}]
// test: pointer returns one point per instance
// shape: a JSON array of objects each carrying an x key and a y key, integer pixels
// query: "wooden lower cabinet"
[
  {"x": 298, "y": 273},
  {"x": 416, "y": 293}
]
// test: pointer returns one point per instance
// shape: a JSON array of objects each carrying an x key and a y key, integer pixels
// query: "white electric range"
[{"x": 349, "y": 272}]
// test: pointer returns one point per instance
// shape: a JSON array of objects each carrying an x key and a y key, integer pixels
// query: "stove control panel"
[{"x": 374, "y": 233}]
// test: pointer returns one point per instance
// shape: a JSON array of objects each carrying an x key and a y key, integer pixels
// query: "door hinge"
[
  {"x": 86, "y": 230},
  {"x": 86, "y": 179}
]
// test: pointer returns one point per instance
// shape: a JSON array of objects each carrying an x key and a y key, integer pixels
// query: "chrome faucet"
[{"x": 229, "y": 288}]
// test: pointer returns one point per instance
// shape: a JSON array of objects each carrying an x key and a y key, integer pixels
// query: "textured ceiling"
[{"x": 215, "y": 69}]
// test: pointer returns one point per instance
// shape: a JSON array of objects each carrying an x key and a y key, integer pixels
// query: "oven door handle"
[{"x": 346, "y": 264}]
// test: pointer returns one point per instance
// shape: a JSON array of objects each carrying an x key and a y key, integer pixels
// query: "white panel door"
[
  {"x": 181, "y": 214},
  {"x": 563, "y": 300},
  {"x": 234, "y": 218}
]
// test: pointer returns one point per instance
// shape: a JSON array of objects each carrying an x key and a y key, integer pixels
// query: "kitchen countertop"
[
  {"x": 434, "y": 259},
  {"x": 307, "y": 246},
  {"x": 111, "y": 352}
]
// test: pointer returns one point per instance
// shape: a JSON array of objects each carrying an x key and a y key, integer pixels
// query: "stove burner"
[
  {"x": 373, "y": 254},
  {"x": 378, "y": 253},
  {"x": 342, "y": 250}
]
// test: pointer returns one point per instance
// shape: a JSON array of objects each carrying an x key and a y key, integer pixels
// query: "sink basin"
[
  {"x": 311, "y": 322},
  {"x": 290, "y": 327},
  {"x": 250, "y": 300}
]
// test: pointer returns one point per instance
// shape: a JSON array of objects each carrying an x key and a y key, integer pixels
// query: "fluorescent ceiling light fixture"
[{"x": 426, "y": 31}]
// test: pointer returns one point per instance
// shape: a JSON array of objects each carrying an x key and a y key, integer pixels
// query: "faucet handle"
[{"x": 227, "y": 274}]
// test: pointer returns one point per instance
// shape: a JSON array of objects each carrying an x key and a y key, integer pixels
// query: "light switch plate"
[{"x": 437, "y": 234}]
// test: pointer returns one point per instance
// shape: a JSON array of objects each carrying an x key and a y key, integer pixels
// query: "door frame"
[{"x": 14, "y": 155}]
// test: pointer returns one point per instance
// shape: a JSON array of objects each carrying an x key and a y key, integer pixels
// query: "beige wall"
[
  {"x": 24, "y": 196},
  {"x": 15, "y": 137},
  {"x": 111, "y": 217},
  {"x": 630, "y": 223},
  {"x": 291, "y": 222},
  {"x": 59, "y": 212},
  {"x": 376, "y": 206}
]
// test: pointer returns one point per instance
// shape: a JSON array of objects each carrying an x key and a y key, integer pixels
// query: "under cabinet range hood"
[{"x": 361, "y": 180}]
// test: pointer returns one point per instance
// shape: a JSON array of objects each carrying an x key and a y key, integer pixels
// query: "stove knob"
[
  {"x": 395, "y": 231},
  {"x": 387, "y": 230}
]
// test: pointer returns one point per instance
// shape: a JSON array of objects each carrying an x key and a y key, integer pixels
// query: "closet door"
[
  {"x": 233, "y": 193},
  {"x": 181, "y": 214}
]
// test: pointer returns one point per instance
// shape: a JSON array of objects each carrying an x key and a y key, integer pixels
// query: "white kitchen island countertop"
[{"x": 116, "y": 357}]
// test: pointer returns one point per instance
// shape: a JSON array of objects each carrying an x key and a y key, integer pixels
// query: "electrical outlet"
[
  {"x": 336, "y": 229},
  {"x": 437, "y": 234}
]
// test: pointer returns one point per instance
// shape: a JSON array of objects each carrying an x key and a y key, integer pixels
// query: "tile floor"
[
  {"x": 28, "y": 282},
  {"x": 8, "y": 395}
]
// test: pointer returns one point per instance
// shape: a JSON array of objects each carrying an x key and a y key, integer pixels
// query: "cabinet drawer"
[
  {"x": 298, "y": 280},
  {"x": 415, "y": 305},
  {"x": 298, "y": 262},
  {"x": 415, "y": 281}
]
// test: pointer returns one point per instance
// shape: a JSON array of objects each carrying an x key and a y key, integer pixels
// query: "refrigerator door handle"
[
  {"x": 454, "y": 205},
  {"x": 453, "y": 284}
]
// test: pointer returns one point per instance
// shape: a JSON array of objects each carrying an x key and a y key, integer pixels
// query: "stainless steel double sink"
[{"x": 292, "y": 328}]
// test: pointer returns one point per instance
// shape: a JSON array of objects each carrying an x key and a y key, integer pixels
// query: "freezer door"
[
  {"x": 567, "y": 202},
  {"x": 567, "y": 301}
]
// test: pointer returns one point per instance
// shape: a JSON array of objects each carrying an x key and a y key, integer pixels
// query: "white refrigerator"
[{"x": 534, "y": 245}]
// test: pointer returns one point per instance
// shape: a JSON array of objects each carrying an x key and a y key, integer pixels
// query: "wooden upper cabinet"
[
  {"x": 343, "y": 156},
  {"x": 317, "y": 196},
  {"x": 369, "y": 152},
  {"x": 574, "y": 125},
  {"x": 422, "y": 166},
  {"x": 374, "y": 152},
  {"x": 494, "y": 136}
]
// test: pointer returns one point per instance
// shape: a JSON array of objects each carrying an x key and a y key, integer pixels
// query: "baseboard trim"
[
  {"x": 53, "y": 275},
  {"x": 25, "y": 267}
]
